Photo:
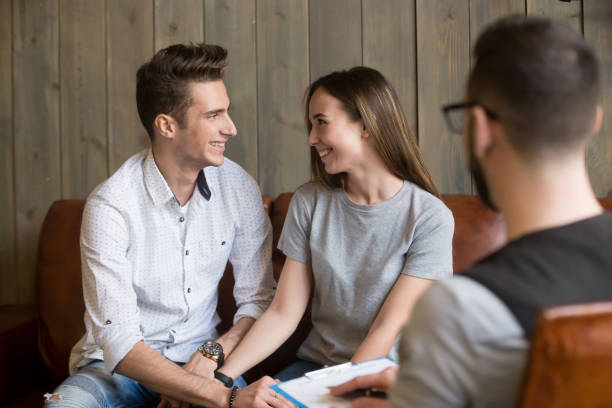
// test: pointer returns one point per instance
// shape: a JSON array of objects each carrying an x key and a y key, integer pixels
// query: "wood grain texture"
[
  {"x": 130, "y": 44},
  {"x": 178, "y": 22},
  {"x": 83, "y": 96},
  {"x": 335, "y": 36},
  {"x": 7, "y": 182},
  {"x": 443, "y": 65},
  {"x": 37, "y": 129},
  {"x": 598, "y": 33},
  {"x": 568, "y": 12},
  {"x": 389, "y": 45},
  {"x": 485, "y": 12},
  {"x": 231, "y": 24},
  {"x": 282, "y": 76}
]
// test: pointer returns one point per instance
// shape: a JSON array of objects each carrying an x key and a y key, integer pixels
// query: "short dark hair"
[
  {"x": 162, "y": 84},
  {"x": 541, "y": 78}
]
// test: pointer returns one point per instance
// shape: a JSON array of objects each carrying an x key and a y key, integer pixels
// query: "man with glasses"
[{"x": 532, "y": 104}]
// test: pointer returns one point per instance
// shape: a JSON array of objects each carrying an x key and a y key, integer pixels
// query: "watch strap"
[{"x": 226, "y": 380}]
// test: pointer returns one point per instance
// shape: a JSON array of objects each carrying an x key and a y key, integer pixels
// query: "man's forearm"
[
  {"x": 149, "y": 368},
  {"x": 230, "y": 340}
]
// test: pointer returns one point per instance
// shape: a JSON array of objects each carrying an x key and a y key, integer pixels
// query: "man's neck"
[
  {"x": 180, "y": 179},
  {"x": 546, "y": 197}
]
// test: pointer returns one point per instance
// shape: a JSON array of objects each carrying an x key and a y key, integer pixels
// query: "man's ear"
[
  {"x": 165, "y": 125},
  {"x": 483, "y": 133},
  {"x": 598, "y": 119}
]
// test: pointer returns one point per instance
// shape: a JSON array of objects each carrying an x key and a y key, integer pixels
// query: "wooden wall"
[{"x": 67, "y": 77}]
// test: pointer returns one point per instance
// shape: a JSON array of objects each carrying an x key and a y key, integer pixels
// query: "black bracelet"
[{"x": 232, "y": 396}]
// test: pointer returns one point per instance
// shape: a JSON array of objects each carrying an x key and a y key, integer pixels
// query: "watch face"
[{"x": 214, "y": 349}]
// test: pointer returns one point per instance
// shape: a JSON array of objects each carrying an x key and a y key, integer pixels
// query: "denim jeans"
[
  {"x": 92, "y": 387},
  {"x": 297, "y": 369}
]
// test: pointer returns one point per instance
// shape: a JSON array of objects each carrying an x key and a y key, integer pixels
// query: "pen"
[{"x": 366, "y": 392}]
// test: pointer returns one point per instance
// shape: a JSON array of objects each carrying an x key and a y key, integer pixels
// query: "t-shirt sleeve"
[
  {"x": 295, "y": 236},
  {"x": 461, "y": 343},
  {"x": 430, "y": 254}
]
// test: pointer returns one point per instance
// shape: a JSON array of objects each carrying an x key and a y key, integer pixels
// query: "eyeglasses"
[{"x": 455, "y": 116}]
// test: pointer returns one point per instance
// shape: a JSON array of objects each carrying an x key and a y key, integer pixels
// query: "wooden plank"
[
  {"x": 130, "y": 44},
  {"x": 598, "y": 33},
  {"x": 178, "y": 22},
  {"x": 443, "y": 66},
  {"x": 231, "y": 24},
  {"x": 282, "y": 66},
  {"x": 485, "y": 12},
  {"x": 7, "y": 185},
  {"x": 335, "y": 36},
  {"x": 83, "y": 96},
  {"x": 389, "y": 45},
  {"x": 568, "y": 12},
  {"x": 36, "y": 121}
]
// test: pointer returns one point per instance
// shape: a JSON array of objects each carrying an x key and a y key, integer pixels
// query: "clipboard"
[{"x": 312, "y": 390}]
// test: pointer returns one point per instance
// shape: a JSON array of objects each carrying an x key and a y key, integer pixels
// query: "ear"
[
  {"x": 483, "y": 133},
  {"x": 364, "y": 132},
  {"x": 598, "y": 119},
  {"x": 165, "y": 125}
]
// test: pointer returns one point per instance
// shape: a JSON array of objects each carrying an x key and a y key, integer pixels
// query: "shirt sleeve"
[
  {"x": 295, "y": 236},
  {"x": 460, "y": 345},
  {"x": 430, "y": 254},
  {"x": 251, "y": 256},
  {"x": 109, "y": 296}
]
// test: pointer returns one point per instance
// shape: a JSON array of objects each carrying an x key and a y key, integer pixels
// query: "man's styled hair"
[
  {"x": 541, "y": 79},
  {"x": 163, "y": 83}
]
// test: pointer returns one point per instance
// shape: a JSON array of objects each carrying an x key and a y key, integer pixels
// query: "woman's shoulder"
[{"x": 429, "y": 206}]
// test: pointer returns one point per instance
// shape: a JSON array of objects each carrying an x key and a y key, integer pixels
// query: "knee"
[{"x": 76, "y": 392}]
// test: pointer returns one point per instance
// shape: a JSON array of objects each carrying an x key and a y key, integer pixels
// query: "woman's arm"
[
  {"x": 393, "y": 315},
  {"x": 277, "y": 323}
]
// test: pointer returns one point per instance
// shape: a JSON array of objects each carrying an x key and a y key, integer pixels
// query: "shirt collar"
[
  {"x": 155, "y": 182},
  {"x": 158, "y": 188}
]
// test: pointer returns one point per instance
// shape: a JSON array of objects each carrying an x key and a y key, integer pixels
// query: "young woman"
[{"x": 366, "y": 237}]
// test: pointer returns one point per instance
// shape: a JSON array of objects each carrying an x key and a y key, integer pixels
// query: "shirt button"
[
  {"x": 187, "y": 252},
  {"x": 181, "y": 219},
  {"x": 107, "y": 322},
  {"x": 188, "y": 290}
]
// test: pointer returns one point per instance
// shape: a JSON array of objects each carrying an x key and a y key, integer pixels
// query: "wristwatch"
[
  {"x": 212, "y": 350},
  {"x": 226, "y": 380}
]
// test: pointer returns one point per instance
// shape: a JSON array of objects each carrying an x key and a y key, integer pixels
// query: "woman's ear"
[{"x": 364, "y": 131}]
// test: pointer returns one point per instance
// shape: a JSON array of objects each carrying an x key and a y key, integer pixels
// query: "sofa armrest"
[{"x": 19, "y": 363}]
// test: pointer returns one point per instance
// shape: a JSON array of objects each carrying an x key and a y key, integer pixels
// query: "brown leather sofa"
[{"x": 35, "y": 341}]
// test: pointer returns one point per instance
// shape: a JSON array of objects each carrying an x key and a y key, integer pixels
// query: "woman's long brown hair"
[{"x": 366, "y": 94}]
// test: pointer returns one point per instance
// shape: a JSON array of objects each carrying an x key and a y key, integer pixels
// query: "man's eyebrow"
[{"x": 214, "y": 111}]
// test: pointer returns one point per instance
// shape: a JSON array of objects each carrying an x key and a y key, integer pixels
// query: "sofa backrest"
[{"x": 478, "y": 231}]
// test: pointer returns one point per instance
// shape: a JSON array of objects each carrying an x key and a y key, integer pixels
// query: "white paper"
[{"x": 312, "y": 389}]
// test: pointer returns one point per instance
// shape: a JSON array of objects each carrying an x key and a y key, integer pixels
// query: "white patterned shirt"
[{"x": 151, "y": 272}]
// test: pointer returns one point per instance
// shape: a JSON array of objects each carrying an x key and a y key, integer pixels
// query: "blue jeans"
[
  {"x": 297, "y": 369},
  {"x": 92, "y": 387}
]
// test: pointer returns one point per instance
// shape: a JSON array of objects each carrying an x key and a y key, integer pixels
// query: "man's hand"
[
  {"x": 260, "y": 395},
  {"x": 197, "y": 364},
  {"x": 383, "y": 380}
]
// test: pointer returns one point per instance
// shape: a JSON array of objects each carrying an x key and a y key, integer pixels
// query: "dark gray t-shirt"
[{"x": 357, "y": 252}]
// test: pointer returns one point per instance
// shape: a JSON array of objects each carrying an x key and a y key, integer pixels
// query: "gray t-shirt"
[
  {"x": 357, "y": 252},
  {"x": 463, "y": 347}
]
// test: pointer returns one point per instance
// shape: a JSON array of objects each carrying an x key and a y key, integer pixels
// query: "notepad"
[{"x": 311, "y": 390}]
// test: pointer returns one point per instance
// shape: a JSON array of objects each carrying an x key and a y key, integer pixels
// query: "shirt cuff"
[
  {"x": 117, "y": 347},
  {"x": 253, "y": 310}
]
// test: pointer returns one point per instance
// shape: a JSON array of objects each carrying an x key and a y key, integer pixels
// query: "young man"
[
  {"x": 155, "y": 241},
  {"x": 531, "y": 107}
]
